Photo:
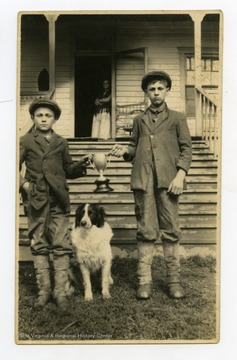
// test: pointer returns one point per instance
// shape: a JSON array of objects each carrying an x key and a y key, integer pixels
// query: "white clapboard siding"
[{"x": 163, "y": 37}]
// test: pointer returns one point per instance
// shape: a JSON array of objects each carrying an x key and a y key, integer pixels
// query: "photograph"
[{"x": 118, "y": 200}]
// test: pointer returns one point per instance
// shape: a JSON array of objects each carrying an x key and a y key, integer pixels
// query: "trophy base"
[{"x": 102, "y": 186}]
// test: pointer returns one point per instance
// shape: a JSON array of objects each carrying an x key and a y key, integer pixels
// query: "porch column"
[
  {"x": 197, "y": 18},
  {"x": 52, "y": 82}
]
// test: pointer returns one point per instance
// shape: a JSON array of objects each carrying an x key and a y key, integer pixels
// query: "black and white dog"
[{"x": 91, "y": 241}]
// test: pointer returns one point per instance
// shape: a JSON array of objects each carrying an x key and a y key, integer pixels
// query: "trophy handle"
[
  {"x": 91, "y": 163},
  {"x": 108, "y": 157}
]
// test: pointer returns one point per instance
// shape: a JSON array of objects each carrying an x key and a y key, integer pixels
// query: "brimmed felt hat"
[
  {"x": 45, "y": 103},
  {"x": 153, "y": 75}
]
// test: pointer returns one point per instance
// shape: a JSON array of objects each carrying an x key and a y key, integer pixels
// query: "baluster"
[
  {"x": 206, "y": 118},
  {"x": 202, "y": 114},
  {"x": 210, "y": 127},
  {"x": 215, "y": 131}
]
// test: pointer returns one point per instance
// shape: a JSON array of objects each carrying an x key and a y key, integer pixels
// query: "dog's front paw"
[
  {"x": 88, "y": 296},
  {"x": 106, "y": 296}
]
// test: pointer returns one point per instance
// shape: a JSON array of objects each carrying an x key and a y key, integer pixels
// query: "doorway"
[{"x": 90, "y": 71}]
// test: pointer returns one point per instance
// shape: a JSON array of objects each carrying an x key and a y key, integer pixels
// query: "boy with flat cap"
[
  {"x": 45, "y": 195},
  {"x": 161, "y": 152}
]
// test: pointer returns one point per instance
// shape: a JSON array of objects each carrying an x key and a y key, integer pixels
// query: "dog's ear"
[
  {"x": 78, "y": 215},
  {"x": 101, "y": 216}
]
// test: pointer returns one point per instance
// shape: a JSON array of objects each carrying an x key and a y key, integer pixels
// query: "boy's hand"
[
  {"x": 26, "y": 187},
  {"x": 177, "y": 185},
  {"x": 85, "y": 160},
  {"x": 118, "y": 150}
]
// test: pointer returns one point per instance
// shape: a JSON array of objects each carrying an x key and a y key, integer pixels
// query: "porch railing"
[
  {"x": 207, "y": 117},
  {"x": 125, "y": 114}
]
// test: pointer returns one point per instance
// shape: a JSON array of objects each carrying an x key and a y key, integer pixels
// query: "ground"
[{"x": 123, "y": 318}]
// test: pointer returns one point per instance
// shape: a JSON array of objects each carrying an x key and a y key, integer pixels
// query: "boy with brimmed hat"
[
  {"x": 161, "y": 151},
  {"x": 45, "y": 195}
]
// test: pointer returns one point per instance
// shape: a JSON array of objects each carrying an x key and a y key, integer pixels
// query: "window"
[
  {"x": 209, "y": 63},
  {"x": 43, "y": 80}
]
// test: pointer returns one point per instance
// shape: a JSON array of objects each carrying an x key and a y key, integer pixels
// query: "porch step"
[{"x": 198, "y": 204}]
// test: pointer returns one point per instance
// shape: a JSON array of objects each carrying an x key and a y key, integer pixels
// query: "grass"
[{"x": 123, "y": 317}]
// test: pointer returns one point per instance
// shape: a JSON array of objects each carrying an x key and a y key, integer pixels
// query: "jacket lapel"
[
  {"x": 55, "y": 142},
  {"x": 146, "y": 121},
  {"x": 162, "y": 117},
  {"x": 40, "y": 141}
]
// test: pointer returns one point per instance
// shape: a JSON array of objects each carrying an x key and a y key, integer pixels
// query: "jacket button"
[
  {"x": 44, "y": 159},
  {"x": 46, "y": 173},
  {"x": 58, "y": 186},
  {"x": 151, "y": 136}
]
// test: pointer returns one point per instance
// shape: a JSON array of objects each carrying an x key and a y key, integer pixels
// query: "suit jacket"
[
  {"x": 47, "y": 166},
  {"x": 166, "y": 144}
]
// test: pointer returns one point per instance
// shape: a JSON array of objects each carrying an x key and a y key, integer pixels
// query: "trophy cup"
[{"x": 99, "y": 163}]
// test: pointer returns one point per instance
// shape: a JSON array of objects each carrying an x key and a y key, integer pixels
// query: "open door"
[
  {"x": 90, "y": 71},
  {"x": 128, "y": 68}
]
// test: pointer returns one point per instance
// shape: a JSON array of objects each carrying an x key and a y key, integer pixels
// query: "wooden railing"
[
  {"x": 125, "y": 114},
  {"x": 208, "y": 119}
]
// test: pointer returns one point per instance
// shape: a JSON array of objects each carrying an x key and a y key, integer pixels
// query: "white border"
[{"x": 227, "y": 348}]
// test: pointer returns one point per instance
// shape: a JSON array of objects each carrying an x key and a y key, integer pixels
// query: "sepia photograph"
[{"x": 119, "y": 135}]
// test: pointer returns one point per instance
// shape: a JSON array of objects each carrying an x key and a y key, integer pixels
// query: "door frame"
[{"x": 88, "y": 53}]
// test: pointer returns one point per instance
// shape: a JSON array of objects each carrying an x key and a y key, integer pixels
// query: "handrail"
[
  {"x": 204, "y": 93},
  {"x": 206, "y": 116}
]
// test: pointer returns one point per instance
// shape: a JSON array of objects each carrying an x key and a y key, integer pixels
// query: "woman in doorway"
[{"x": 101, "y": 118}]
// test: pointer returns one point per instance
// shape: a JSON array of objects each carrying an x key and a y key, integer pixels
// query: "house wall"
[{"x": 163, "y": 40}]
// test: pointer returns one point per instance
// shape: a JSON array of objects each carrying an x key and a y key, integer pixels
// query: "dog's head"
[{"x": 88, "y": 215}]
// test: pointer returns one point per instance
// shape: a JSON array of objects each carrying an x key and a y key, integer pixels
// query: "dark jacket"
[
  {"x": 47, "y": 167},
  {"x": 168, "y": 144}
]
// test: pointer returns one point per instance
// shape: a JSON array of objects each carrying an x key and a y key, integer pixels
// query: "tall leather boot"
[
  {"x": 42, "y": 270},
  {"x": 145, "y": 257},
  {"x": 172, "y": 261},
  {"x": 61, "y": 279}
]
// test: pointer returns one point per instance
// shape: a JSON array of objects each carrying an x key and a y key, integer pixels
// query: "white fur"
[{"x": 93, "y": 252}]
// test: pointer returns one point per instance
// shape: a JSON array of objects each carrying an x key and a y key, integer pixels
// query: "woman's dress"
[{"x": 101, "y": 117}]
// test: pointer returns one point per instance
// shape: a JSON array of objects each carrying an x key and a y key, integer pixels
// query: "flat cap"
[
  {"x": 155, "y": 75},
  {"x": 45, "y": 102}
]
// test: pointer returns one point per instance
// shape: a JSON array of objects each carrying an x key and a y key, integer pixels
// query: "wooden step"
[
  {"x": 119, "y": 186},
  {"x": 126, "y": 170},
  {"x": 127, "y": 208},
  {"x": 128, "y": 221},
  {"x": 106, "y": 146},
  {"x": 197, "y": 155},
  {"x": 125, "y": 179},
  {"x": 128, "y": 236},
  {"x": 115, "y": 162},
  {"x": 193, "y": 196},
  {"x": 125, "y": 182}
]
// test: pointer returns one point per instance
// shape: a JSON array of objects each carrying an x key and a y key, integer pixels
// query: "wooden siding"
[{"x": 162, "y": 39}]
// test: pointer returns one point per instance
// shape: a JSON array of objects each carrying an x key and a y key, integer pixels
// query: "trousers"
[
  {"x": 156, "y": 213},
  {"x": 48, "y": 229}
]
